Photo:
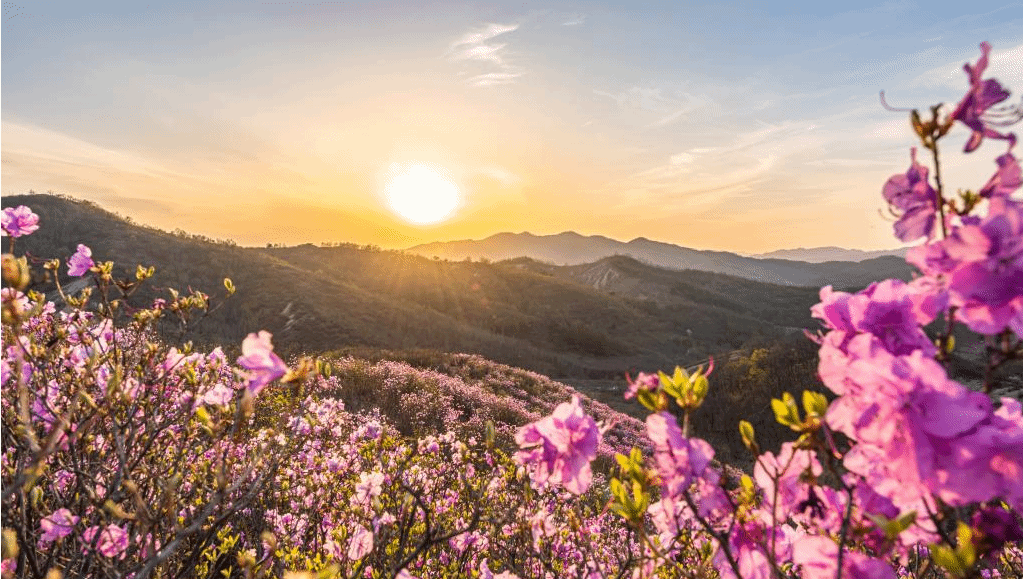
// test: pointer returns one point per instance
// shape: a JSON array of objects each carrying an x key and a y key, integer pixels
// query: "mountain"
[
  {"x": 831, "y": 253},
  {"x": 574, "y": 249},
  {"x": 559, "y": 321}
]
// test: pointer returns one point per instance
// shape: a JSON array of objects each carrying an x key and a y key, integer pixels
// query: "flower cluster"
[{"x": 920, "y": 450}]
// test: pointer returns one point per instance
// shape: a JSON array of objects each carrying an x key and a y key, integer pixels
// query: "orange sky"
[{"x": 270, "y": 124}]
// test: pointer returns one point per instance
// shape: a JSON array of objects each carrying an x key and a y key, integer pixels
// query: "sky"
[{"x": 743, "y": 126}]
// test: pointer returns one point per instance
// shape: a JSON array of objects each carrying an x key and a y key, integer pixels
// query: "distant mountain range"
[
  {"x": 800, "y": 267},
  {"x": 831, "y": 253}
]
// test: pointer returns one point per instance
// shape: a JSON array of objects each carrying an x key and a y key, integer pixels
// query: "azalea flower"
[
  {"x": 1006, "y": 180},
  {"x": 361, "y": 545},
  {"x": 79, "y": 263},
  {"x": 18, "y": 221},
  {"x": 680, "y": 460},
  {"x": 560, "y": 447},
  {"x": 912, "y": 196},
  {"x": 56, "y": 525},
  {"x": 258, "y": 358},
  {"x": 983, "y": 94},
  {"x": 647, "y": 382},
  {"x": 113, "y": 540}
]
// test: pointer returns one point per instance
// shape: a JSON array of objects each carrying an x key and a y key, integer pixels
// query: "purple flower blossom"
[
  {"x": 113, "y": 540},
  {"x": 79, "y": 263},
  {"x": 912, "y": 196},
  {"x": 890, "y": 311},
  {"x": 788, "y": 468},
  {"x": 997, "y": 526},
  {"x": 818, "y": 557},
  {"x": 646, "y": 382},
  {"x": 361, "y": 544},
  {"x": 986, "y": 277},
  {"x": 1006, "y": 180},
  {"x": 680, "y": 460},
  {"x": 56, "y": 525},
  {"x": 983, "y": 94},
  {"x": 258, "y": 358},
  {"x": 560, "y": 447},
  {"x": 18, "y": 221}
]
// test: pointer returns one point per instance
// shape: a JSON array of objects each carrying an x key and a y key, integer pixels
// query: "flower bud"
[
  {"x": 10, "y": 544},
  {"x": 16, "y": 272}
]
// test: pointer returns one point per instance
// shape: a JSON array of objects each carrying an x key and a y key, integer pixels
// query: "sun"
[{"x": 420, "y": 194}]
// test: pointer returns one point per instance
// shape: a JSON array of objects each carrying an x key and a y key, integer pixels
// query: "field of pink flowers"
[{"x": 125, "y": 456}]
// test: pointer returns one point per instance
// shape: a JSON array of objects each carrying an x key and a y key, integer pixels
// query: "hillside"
[
  {"x": 574, "y": 249},
  {"x": 551, "y": 321}
]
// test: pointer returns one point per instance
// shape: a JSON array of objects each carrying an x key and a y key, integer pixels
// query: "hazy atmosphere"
[{"x": 747, "y": 127}]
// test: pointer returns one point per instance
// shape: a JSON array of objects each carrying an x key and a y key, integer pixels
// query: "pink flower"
[
  {"x": 1007, "y": 179},
  {"x": 912, "y": 196},
  {"x": 368, "y": 488},
  {"x": 18, "y": 221},
  {"x": 79, "y": 263},
  {"x": 788, "y": 467},
  {"x": 361, "y": 545},
  {"x": 818, "y": 557},
  {"x": 983, "y": 94},
  {"x": 560, "y": 447},
  {"x": 646, "y": 382},
  {"x": 982, "y": 261},
  {"x": 680, "y": 460},
  {"x": 264, "y": 366},
  {"x": 220, "y": 395},
  {"x": 56, "y": 525},
  {"x": 113, "y": 540}
]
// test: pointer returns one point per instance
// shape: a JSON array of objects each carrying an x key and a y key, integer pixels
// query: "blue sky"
[{"x": 746, "y": 126}]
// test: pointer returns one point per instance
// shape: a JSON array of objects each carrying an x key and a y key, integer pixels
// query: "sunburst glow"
[{"x": 420, "y": 194}]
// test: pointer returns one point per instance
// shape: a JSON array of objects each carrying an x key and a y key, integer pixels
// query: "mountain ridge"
[{"x": 571, "y": 248}]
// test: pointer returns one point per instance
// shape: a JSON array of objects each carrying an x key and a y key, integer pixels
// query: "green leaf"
[
  {"x": 814, "y": 403},
  {"x": 669, "y": 386},
  {"x": 943, "y": 557},
  {"x": 781, "y": 412},
  {"x": 623, "y": 461},
  {"x": 648, "y": 399},
  {"x": 700, "y": 388},
  {"x": 681, "y": 376},
  {"x": 965, "y": 550}
]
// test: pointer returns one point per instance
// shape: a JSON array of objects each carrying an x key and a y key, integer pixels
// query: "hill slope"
[{"x": 557, "y": 321}]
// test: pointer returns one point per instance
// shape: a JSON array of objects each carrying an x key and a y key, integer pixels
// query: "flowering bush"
[{"x": 127, "y": 457}]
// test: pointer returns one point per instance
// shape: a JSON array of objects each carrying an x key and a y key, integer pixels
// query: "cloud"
[
  {"x": 44, "y": 144},
  {"x": 494, "y": 78},
  {"x": 500, "y": 174},
  {"x": 484, "y": 34},
  {"x": 575, "y": 20},
  {"x": 669, "y": 108},
  {"x": 475, "y": 48}
]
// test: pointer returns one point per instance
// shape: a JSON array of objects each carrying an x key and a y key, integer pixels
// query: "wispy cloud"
[
  {"x": 494, "y": 78},
  {"x": 575, "y": 20},
  {"x": 476, "y": 47},
  {"x": 669, "y": 107}
]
